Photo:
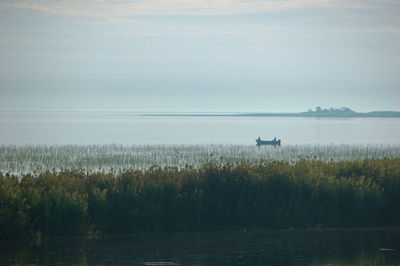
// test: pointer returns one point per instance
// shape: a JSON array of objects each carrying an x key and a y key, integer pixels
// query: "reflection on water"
[{"x": 237, "y": 247}]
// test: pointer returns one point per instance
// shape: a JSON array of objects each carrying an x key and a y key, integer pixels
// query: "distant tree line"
[
  {"x": 330, "y": 112},
  {"x": 346, "y": 112},
  {"x": 308, "y": 193},
  {"x": 318, "y": 109}
]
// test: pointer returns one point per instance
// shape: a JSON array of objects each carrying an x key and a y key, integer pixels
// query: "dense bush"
[{"x": 309, "y": 193}]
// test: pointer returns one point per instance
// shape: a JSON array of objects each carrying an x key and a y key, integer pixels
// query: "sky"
[{"x": 199, "y": 55}]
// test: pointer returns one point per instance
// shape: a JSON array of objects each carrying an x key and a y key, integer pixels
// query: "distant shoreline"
[
  {"x": 374, "y": 114},
  {"x": 390, "y": 114},
  {"x": 326, "y": 113}
]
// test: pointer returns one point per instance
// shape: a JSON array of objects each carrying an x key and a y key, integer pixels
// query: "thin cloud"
[{"x": 124, "y": 8}]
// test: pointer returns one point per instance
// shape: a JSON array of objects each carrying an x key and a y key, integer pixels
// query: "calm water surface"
[
  {"x": 125, "y": 128},
  {"x": 240, "y": 247}
]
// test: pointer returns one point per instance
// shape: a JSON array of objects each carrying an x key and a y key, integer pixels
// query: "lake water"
[
  {"x": 131, "y": 128},
  {"x": 237, "y": 247}
]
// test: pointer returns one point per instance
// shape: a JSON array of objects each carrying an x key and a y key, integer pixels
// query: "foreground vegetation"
[{"x": 277, "y": 194}]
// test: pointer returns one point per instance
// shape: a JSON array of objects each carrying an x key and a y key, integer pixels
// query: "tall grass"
[
  {"x": 115, "y": 158},
  {"x": 276, "y": 194}
]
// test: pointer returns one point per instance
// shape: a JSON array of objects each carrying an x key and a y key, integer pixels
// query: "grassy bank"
[{"x": 308, "y": 193}]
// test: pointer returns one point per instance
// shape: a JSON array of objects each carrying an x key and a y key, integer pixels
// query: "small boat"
[{"x": 274, "y": 142}]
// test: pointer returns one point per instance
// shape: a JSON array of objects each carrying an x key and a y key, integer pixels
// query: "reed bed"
[
  {"x": 23, "y": 159},
  {"x": 276, "y": 194}
]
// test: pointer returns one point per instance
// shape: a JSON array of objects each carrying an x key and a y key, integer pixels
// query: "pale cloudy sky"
[{"x": 221, "y": 55}]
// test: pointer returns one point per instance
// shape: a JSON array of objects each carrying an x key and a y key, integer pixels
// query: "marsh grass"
[{"x": 23, "y": 159}]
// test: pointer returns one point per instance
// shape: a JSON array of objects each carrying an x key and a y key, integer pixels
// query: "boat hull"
[{"x": 268, "y": 142}]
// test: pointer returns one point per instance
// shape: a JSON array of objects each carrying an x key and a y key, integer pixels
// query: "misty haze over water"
[{"x": 92, "y": 173}]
